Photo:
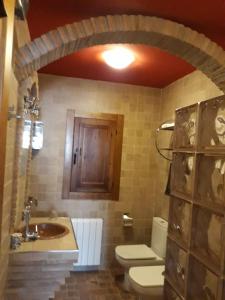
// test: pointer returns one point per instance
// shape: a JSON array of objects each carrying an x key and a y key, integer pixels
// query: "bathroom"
[{"x": 144, "y": 173}]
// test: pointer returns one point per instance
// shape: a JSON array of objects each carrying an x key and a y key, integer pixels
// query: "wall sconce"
[
  {"x": 37, "y": 135},
  {"x": 31, "y": 102},
  {"x": 26, "y": 134},
  {"x": 31, "y": 105},
  {"x": 36, "y": 129}
]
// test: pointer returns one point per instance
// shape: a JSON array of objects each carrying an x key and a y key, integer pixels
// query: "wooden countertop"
[{"x": 65, "y": 244}]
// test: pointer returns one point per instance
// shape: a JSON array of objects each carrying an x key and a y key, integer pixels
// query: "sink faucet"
[{"x": 26, "y": 215}]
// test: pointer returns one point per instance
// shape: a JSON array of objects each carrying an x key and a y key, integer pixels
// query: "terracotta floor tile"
[{"x": 94, "y": 285}]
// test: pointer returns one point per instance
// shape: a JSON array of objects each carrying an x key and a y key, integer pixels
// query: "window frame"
[{"x": 68, "y": 157}]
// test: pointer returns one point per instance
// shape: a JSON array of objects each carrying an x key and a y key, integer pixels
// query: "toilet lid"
[
  {"x": 135, "y": 252},
  {"x": 148, "y": 276}
]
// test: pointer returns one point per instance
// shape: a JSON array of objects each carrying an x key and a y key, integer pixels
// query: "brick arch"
[{"x": 193, "y": 47}]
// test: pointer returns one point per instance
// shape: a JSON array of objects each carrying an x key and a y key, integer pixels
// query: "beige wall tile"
[
  {"x": 140, "y": 107},
  {"x": 143, "y": 172}
]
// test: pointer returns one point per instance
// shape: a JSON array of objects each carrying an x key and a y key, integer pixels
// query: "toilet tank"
[{"x": 159, "y": 236}]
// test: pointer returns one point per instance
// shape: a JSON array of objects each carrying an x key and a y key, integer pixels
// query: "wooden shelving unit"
[{"x": 195, "y": 260}]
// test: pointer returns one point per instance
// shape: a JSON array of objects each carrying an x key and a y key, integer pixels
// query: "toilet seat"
[
  {"x": 135, "y": 252},
  {"x": 137, "y": 255},
  {"x": 147, "y": 280},
  {"x": 148, "y": 276}
]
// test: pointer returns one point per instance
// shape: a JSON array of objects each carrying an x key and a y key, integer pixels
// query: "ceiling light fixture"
[{"x": 118, "y": 57}]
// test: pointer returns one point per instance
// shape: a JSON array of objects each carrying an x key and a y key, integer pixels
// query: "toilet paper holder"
[{"x": 127, "y": 220}]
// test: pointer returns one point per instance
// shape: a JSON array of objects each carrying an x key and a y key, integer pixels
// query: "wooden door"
[{"x": 93, "y": 152}]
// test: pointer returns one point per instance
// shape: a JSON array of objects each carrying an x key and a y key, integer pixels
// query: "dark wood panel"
[
  {"x": 94, "y": 150},
  {"x": 68, "y": 153},
  {"x": 92, "y": 156},
  {"x": 118, "y": 156}
]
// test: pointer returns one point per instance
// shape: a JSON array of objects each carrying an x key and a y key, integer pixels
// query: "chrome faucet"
[{"x": 26, "y": 215}]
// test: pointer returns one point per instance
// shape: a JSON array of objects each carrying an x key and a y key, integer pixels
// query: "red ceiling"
[{"x": 152, "y": 67}]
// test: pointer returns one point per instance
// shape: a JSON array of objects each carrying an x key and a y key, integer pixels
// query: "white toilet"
[
  {"x": 142, "y": 255},
  {"x": 148, "y": 281}
]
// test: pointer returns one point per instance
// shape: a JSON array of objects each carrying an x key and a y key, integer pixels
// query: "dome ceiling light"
[{"x": 118, "y": 57}]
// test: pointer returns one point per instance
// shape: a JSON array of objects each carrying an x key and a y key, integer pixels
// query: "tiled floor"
[{"x": 95, "y": 285}]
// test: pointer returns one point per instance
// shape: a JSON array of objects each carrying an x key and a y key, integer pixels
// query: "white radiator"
[{"x": 88, "y": 234}]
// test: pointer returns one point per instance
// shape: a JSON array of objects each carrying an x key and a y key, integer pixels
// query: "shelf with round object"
[{"x": 164, "y": 139}]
